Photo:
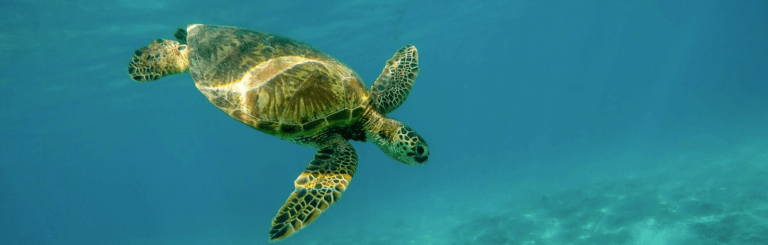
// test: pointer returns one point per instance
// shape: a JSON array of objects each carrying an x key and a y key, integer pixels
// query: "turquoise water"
[{"x": 549, "y": 122}]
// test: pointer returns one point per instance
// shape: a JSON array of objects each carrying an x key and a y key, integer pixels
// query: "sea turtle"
[{"x": 297, "y": 93}]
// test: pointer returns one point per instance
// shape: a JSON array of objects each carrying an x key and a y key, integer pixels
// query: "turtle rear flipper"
[
  {"x": 317, "y": 188},
  {"x": 396, "y": 80},
  {"x": 158, "y": 59}
]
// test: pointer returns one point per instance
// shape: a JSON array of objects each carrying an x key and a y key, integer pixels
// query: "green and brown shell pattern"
[{"x": 277, "y": 85}]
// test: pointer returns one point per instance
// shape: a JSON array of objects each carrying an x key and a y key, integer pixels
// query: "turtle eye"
[{"x": 420, "y": 150}]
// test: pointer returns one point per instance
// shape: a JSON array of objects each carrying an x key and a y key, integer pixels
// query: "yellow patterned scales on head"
[{"x": 297, "y": 93}]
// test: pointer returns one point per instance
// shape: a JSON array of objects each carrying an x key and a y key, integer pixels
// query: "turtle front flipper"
[
  {"x": 317, "y": 188},
  {"x": 396, "y": 80},
  {"x": 158, "y": 59}
]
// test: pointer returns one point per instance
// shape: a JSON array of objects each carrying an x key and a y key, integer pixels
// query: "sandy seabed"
[{"x": 693, "y": 199}]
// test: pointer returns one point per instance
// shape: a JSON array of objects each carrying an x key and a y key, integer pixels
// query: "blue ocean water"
[{"x": 549, "y": 122}]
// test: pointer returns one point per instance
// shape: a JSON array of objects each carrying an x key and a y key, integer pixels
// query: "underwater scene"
[{"x": 539, "y": 122}]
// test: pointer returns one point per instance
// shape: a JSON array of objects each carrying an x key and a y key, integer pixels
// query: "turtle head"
[
  {"x": 158, "y": 59},
  {"x": 400, "y": 142}
]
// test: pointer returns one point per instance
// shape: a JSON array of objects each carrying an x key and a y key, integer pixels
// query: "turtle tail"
[{"x": 158, "y": 59}]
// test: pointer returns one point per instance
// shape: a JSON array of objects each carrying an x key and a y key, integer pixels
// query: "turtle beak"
[{"x": 421, "y": 159}]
